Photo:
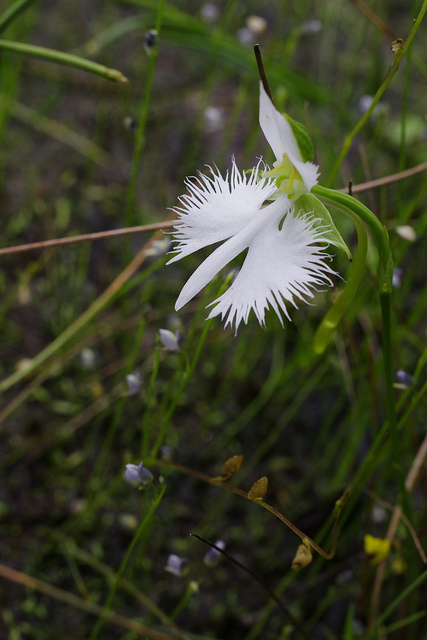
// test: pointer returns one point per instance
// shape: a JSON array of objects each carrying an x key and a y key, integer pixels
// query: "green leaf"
[
  {"x": 309, "y": 203},
  {"x": 303, "y": 139}
]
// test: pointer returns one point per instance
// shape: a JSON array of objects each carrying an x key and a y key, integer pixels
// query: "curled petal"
[
  {"x": 216, "y": 208},
  {"x": 281, "y": 138},
  {"x": 283, "y": 264},
  {"x": 276, "y": 128},
  {"x": 308, "y": 171}
]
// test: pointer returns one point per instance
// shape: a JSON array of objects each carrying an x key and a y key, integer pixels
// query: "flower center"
[{"x": 287, "y": 178}]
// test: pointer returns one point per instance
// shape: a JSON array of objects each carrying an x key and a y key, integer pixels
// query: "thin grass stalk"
[
  {"x": 67, "y": 59},
  {"x": 142, "y": 123},
  {"x": 109, "y": 601},
  {"x": 400, "y": 52},
  {"x": 13, "y": 12}
]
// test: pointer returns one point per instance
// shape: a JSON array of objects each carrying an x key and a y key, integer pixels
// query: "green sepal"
[
  {"x": 303, "y": 139},
  {"x": 309, "y": 203}
]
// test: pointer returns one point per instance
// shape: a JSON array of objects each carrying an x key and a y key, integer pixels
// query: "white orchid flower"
[{"x": 284, "y": 262}]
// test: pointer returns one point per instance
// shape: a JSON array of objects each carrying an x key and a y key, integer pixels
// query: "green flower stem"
[
  {"x": 189, "y": 593},
  {"x": 182, "y": 379},
  {"x": 392, "y": 70},
  {"x": 142, "y": 123},
  {"x": 60, "y": 57},
  {"x": 149, "y": 403},
  {"x": 71, "y": 549},
  {"x": 336, "y": 312},
  {"x": 13, "y": 12},
  {"x": 374, "y": 633},
  {"x": 353, "y": 208},
  {"x": 184, "y": 382},
  {"x": 101, "y": 620}
]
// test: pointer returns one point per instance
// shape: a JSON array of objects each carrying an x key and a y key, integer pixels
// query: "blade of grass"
[{"x": 59, "y": 57}]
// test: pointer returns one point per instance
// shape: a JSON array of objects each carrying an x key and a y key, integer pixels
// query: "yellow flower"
[{"x": 376, "y": 547}]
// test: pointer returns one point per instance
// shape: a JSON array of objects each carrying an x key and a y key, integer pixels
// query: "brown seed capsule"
[
  {"x": 258, "y": 489},
  {"x": 232, "y": 465},
  {"x": 303, "y": 556}
]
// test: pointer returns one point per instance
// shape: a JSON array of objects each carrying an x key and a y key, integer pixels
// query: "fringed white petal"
[
  {"x": 282, "y": 265},
  {"x": 216, "y": 208},
  {"x": 220, "y": 258}
]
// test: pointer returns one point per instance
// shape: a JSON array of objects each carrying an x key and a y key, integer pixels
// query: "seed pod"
[
  {"x": 258, "y": 489},
  {"x": 303, "y": 556},
  {"x": 232, "y": 465}
]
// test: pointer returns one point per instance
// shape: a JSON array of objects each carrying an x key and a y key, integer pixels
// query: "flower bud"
[{"x": 303, "y": 556}]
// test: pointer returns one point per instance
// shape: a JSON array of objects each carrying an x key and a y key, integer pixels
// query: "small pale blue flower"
[
  {"x": 166, "y": 452},
  {"x": 170, "y": 340},
  {"x": 137, "y": 474},
  {"x": 175, "y": 564},
  {"x": 134, "y": 382},
  {"x": 404, "y": 379},
  {"x": 397, "y": 277},
  {"x": 212, "y": 556}
]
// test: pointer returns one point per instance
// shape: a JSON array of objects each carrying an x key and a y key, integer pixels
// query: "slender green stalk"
[
  {"x": 13, "y": 12},
  {"x": 101, "y": 620},
  {"x": 189, "y": 592},
  {"x": 404, "y": 594},
  {"x": 348, "y": 140},
  {"x": 403, "y": 120},
  {"x": 336, "y": 312},
  {"x": 352, "y": 207},
  {"x": 72, "y": 550},
  {"x": 149, "y": 402},
  {"x": 59, "y": 57},
  {"x": 184, "y": 382},
  {"x": 142, "y": 123}
]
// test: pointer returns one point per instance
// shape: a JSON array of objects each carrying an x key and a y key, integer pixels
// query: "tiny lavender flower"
[
  {"x": 175, "y": 564},
  {"x": 171, "y": 341},
  {"x": 284, "y": 262},
  {"x": 397, "y": 277},
  {"x": 134, "y": 383},
  {"x": 212, "y": 556},
  {"x": 404, "y": 379},
  {"x": 137, "y": 474}
]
